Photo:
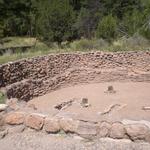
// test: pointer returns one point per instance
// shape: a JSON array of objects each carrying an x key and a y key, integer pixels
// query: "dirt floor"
[
  {"x": 126, "y": 103},
  {"x": 30, "y": 140}
]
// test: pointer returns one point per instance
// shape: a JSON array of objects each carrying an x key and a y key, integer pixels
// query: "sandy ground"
[
  {"x": 129, "y": 99},
  {"x": 42, "y": 141}
]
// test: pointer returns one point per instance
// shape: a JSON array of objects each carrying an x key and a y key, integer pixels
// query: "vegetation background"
[{"x": 71, "y": 25}]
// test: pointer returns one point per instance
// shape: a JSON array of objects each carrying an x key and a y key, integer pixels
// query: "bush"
[
  {"x": 145, "y": 30},
  {"x": 133, "y": 22},
  {"x": 85, "y": 44},
  {"x": 107, "y": 28},
  {"x": 55, "y": 22},
  {"x": 135, "y": 42}
]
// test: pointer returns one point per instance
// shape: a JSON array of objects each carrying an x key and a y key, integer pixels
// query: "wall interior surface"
[{"x": 29, "y": 78}]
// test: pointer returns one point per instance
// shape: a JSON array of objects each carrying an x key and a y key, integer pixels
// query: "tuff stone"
[
  {"x": 138, "y": 131},
  {"x": 15, "y": 118},
  {"x": 104, "y": 129},
  {"x": 86, "y": 129},
  {"x": 117, "y": 131},
  {"x": 69, "y": 125},
  {"x": 51, "y": 125},
  {"x": 35, "y": 121}
]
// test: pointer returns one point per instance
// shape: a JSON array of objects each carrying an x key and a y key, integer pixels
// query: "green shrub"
[
  {"x": 107, "y": 28},
  {"x": 85, "y": 44},
  {"x": 145, "y": 30},
  {"x": 133, "y": 22},
  {"x": 55, "y": 21}
]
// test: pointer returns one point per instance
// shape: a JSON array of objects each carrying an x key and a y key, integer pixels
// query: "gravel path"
[{"x": 41, "y": 141}]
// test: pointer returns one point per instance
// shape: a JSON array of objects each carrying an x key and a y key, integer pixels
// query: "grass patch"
[
  {"x": 17, "y": 42},
  {"x": 135, "y": 43},
  {"x": 17, "y": 56},
  {"x": 2, "y": 98},
  {"x": 85, "y": 44}
]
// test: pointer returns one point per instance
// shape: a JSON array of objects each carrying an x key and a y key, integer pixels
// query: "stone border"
[{"x": 89, "y": 130}]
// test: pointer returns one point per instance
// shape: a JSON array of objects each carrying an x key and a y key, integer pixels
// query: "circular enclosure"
[{"x": 90, "y": 87}]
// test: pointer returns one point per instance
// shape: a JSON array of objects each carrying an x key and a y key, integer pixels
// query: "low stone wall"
[
  {"x": 89, "y": 130},
  {"x": 37, "y": 76}
]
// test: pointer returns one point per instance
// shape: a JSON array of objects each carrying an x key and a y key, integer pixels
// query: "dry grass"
[
  {"x": 123, "y": 44},
  {"x": 17, "y": 41}
]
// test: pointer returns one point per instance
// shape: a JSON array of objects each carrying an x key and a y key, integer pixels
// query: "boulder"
[
  {"x": 137, "y": 131},
  {"x": 51, "y": 125},
  {"x": 15, "y": 118},
  {"x": 104, "y": 129},
  {"x": 86, "y": 129},
  {"x": 35, "y": 121},
  {"x": 68, "y": 124},
  {"x": 117, "y": 131}
]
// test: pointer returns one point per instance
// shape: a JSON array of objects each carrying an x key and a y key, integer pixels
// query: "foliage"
[
  {"x": 68, "y": 20},
  {"x": 17, "y": 16},
  {"x": 133, "y": 22},
  {"x": 145, "y": 29},
  {"x": 56, "y": 20},
  {"x": 88, "y": 18},
  {"x": 123, "y": 44},
  {"x": 2, "y": 98},
  {"x": 85, "y": 44},
  {"x": 17, "y": 41},
  {"x": 120, "y": 7},
  {"x": 107, "y": 28}
]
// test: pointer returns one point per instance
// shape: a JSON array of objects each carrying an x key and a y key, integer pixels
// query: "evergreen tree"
[
  {"x": 60, "y": 20},
  {"x": 88, "y": 17},
  {"x": 133, "y": 22},
  {"x": 16, "y": 16},
  {"x": 145, "y": 29},
  {"x": 107, "y": 28},
  {"x": 56, "y": 20},
  {"x": 120, "y": 7}
]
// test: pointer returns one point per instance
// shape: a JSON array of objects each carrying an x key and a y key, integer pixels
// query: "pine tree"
[
  {"x": 56, "y": 20},
  {"x": 88, "y": 17},
  {"x": 107, "y": 28}
]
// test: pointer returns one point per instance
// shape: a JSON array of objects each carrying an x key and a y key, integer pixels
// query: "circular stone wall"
[{"x": 29, "y": 78}]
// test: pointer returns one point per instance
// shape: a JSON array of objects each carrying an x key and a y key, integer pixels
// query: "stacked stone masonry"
[
  {"x": 37, "y": 76},
  {"x": 89, "y": 130}
]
